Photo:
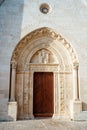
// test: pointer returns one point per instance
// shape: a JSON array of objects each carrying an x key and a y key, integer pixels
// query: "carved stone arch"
[
  {"x": 29, "y": 50},
  {"x": 42, "y": 32},
  {"x": 58, "y": 56},
  {"x": 65, "y": 71}
]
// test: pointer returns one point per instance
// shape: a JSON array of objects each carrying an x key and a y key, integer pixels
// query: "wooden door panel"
[
  {"x": 48, "y": 102},
  {"x": 43, "y": 94},
  {"x": 37, "y": 92}
]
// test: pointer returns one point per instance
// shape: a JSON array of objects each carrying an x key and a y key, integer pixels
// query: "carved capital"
[
  {"x": 75, "y": 65},
  {"x": 13, "y": 64},
  {"x": 26, "y": 67}
]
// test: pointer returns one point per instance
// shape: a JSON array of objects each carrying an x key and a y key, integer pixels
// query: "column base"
[
  {"x": 31, "y": 116},
  {"x": 76, "y": 108},
  {"x": 12, "y": 111},
  {"x": 61, "y": 117},
  {"x": 55, "y": 116},
  {"x": 27, "y": 117}
]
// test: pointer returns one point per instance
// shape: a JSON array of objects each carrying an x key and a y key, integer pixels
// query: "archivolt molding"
[
  {"x": 27, "y": 58},
  {"x": 43, "y": 32}
]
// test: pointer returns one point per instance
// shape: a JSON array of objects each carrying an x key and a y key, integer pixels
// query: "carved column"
[
  {"x": 31, "y": 96},
  {"x": 56, "y": 96},
  {"x": 25, "y": 95},
  {"x": 75, "y": 81},
  {"x": 13, "y": 64},
  {"x": 12, "y": 105}
]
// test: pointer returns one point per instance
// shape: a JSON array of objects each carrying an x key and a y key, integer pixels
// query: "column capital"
[
  {"x": 14, "y": 64},
  {"x": 75, "y": 65}
]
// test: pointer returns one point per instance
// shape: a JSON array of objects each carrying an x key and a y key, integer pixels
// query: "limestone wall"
[{"x": 20, "y": 17}]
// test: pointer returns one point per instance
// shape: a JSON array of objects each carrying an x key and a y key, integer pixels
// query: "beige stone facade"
[
  {"x": 43, "y": 50},
  {"x": 32, "y": 42}
]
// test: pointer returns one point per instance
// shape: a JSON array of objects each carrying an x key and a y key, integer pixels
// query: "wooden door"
[{"x": 43, "y": 95}]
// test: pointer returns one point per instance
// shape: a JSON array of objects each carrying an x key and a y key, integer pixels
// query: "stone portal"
[{"x": 43, "y": 50}]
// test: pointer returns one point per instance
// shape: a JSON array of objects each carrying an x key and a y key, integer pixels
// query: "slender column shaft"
[
  {"x": 31, "y": 96},
  {"x": 76, "y": 82},
  {"x": 56, "y": 98},
  {"x": 13, "y": 81}
]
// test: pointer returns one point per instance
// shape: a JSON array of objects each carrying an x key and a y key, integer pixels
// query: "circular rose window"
[{"x": 44, "y": 8}]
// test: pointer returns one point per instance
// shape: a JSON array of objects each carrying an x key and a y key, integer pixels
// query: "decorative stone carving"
[
  {"x": 14, "y": 64},
  {"x": 43, "y": 32},
  {"x": 62, "y": 104},
  {"x": 43, "y": 56},
  {"x": 33, "y": 54},
  {"x": 68, "y": 94},
  {"x": 75, "y": 65},
  {"x": 19, "y": 94},
  {"x": 43, "y": 67},
  {"x": 25, "y": 95}
]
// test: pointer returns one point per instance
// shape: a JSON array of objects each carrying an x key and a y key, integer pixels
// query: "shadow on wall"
[
  {"x": 11, "y": 17},
  {"x": 1, "y": 1},
  {"x": 84, "y": 106},
  {"x": 7, "y": 119}
]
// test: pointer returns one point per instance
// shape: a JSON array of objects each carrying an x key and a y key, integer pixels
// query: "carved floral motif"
[{"x": 62, "y": 102}]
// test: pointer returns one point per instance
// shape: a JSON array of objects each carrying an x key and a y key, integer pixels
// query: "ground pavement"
[{"x": 44, "y": 124}]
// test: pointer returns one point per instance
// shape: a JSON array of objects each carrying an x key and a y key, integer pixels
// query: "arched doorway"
[{"x": 45, "y": 51}]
